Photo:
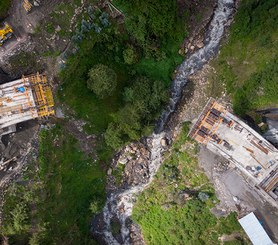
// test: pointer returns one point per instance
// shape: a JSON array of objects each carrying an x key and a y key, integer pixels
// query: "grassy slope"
[
  {"x": 52, "y": 206},
  {"x": 247, "y": 64},
  {"x": 4, "y": 7},
  {"x": 71, "y": 182},
  {"x": 166, "y": 218}
]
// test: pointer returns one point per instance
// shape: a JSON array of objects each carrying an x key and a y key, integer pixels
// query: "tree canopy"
[
  {"x": 140, "y": 109},
  {"x": 102, "y": 80},
  {"x": 130, "y": 55},
  {"x": 150, "y": 20}
]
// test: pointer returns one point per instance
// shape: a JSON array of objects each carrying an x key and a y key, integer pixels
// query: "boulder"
[
  {"x": 200, "y": 44},
  {"x": 36, "y": 3},
  {"x": 109, "y": 171},
  {"x": 163, "y": 142},
  {"x": 123, "y": 160},
  {"x": 58, "y": 28}
]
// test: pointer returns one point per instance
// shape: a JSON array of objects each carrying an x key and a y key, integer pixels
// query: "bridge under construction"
[
  {"x": 24, "y": 99},
  {"x": 225, "y": 134}
]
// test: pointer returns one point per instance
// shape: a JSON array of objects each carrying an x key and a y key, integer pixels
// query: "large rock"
[
  {"x": 109, "y": 171},
  {"x": 163, "y": 142},
  {"x": 123, "y": 160},
  {"x": 200, "y": 44}
]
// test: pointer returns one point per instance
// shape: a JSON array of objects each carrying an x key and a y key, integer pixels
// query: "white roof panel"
[{"x": 254, "y": 230}]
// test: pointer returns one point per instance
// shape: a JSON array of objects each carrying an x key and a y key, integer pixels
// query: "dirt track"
[{"x": 24, "y": 25}]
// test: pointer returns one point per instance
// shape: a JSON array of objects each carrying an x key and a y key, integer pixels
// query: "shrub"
[{"x": 130, "y": 56}]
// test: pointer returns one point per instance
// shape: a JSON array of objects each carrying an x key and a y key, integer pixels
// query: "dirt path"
[{"x": 24, "y": 24}]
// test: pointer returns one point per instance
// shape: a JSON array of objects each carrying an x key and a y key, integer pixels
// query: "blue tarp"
[{"x": 21, "y": 89}]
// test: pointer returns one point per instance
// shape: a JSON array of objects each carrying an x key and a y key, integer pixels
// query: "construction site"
[
  {"x": 225, "y": 134},
  {"x": 21, "y": 100}
]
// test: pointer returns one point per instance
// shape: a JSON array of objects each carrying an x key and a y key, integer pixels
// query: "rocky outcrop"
[{"x": 136, "y": 159}]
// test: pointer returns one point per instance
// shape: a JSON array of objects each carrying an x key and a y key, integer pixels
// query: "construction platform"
[
  {"x": 227, "y": 135},
  {"x": 24, "y": 99}
]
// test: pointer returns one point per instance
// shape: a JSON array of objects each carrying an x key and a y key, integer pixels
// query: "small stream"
[{"x": 119, "y": 204}]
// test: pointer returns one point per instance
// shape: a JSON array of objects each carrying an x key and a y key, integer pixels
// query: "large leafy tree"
[
  {"x": 150, "y": 20},
  {"x": 102, "y": 80},
  {"x": 137, "y": 116}
]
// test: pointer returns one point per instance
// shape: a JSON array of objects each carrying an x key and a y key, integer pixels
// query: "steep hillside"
[{"x": 248, "y": 61}]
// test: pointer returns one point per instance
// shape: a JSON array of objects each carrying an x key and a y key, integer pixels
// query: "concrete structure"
[
  {"x": 254, "y": 230},
  {"x": 227, "y": 135},
  {"x": 24, "y": 99}
]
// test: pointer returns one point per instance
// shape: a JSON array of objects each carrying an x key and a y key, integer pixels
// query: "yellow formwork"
[
  {"x": 42, "y": 94},
  {"x": 27, "y": 5}
]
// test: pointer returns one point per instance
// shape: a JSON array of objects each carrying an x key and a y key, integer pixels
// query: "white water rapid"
[{"x": 120, "y": 203}]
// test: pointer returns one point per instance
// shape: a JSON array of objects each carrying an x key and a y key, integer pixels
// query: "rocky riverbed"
[{"x": 143, "y": 159}]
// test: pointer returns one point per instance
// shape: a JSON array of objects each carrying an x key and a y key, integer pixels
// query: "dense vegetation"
[
  {"x": 175, "y": 209},
  {"x": 143, "y": 49},
  {"x": 4, "y": 7},
  {"x": 57, "y": 205},
  {"x": 248, "y": 62}
]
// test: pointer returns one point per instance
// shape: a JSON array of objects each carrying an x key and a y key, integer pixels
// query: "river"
[{"x": 120, "y": 203}]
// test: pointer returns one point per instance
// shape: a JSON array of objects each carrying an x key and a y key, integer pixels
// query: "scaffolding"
[
  {"x": 208, "y": 122},
  {"x": 42, "y": 94}
]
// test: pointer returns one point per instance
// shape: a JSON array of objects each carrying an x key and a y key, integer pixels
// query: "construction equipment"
[
  {"x": 5, "y": 34},
  {"x": 27, "y": 5}
]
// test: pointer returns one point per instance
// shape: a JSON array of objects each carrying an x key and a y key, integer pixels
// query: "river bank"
[{"x": 119, "y": 204}]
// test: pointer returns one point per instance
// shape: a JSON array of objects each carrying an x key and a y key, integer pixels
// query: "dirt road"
[{"x": 24, "y": 24}]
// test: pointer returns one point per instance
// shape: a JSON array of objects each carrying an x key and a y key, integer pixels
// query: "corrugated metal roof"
[{"x": 254, "y": 230}]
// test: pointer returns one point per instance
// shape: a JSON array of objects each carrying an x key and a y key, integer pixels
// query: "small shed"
[{"x": 255, "y": 230}]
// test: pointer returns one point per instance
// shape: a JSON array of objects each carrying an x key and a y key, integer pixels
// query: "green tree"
[
  {"x": 113, "y": 136},
  {"x": 94, "y": 207},
  {"x": 126, "y": 127},
  {"x": 151, "y": 97},
  {"x": 18, "y": 220},
  {"x": 130, "y": 55},
  {"x": 128, "y": 119},
  {"x": 136, "y": 117},
  {"x": 149, "y": 21},
  {"x": 102, "y": 80}
]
